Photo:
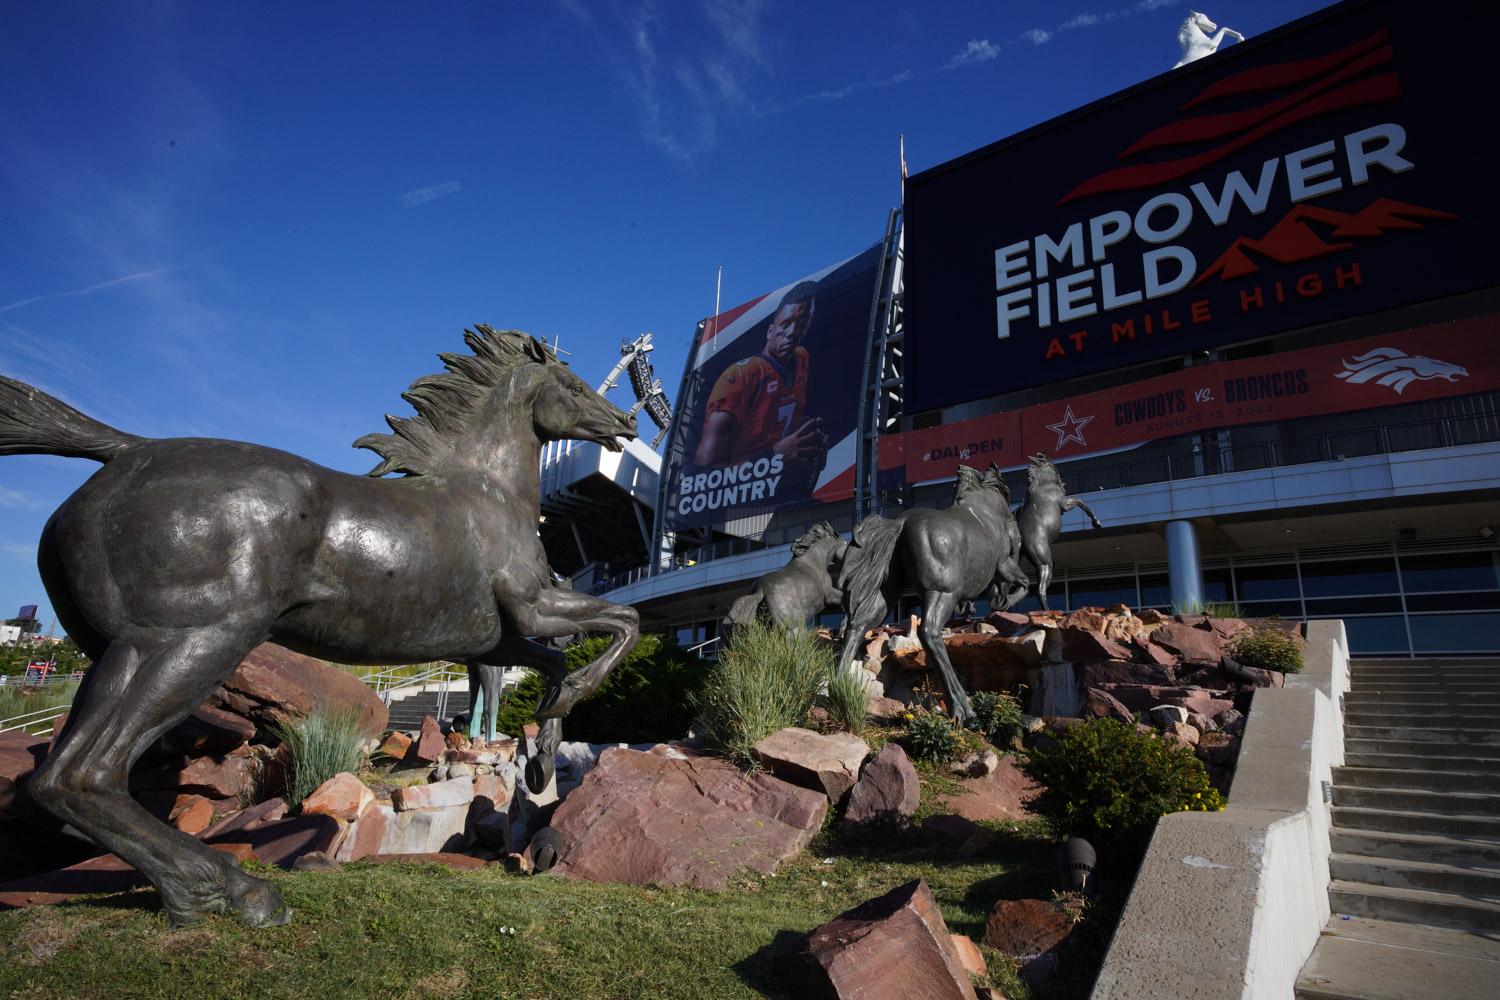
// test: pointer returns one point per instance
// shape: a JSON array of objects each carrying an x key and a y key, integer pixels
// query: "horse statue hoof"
[
  {"x": 539, "y": 772},
  {"x": 546, "y": 849}
]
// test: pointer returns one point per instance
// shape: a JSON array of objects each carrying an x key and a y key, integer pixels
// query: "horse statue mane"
[
  {"x": 1199, "y": 37},
  {"x": 1040, "y": 470},
  {"x": 445, "y": 402},
  {"x": 972, "y": 481},
  {"x": 815, "y": 534}
]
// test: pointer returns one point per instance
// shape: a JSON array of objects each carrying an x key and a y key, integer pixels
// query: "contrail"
[{"x": 137, "y": 276}]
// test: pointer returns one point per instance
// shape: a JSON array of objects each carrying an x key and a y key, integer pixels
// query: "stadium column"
[{"x": 1184, "y": 570}]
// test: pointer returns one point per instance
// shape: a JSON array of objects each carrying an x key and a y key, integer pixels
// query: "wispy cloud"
[
  {"x": 18, "y": 550},
  {"x": 422, "y": 196},
  {"x": 1036, "y": 36},
  {"x": 977, "y": 51},
  {"x": 19, "y": 499},
  {"x": 839, "y": 93},
  {"x": 1156, "y": 4},
  {"x": 687, "y": 81},
  {"x": 1080, "y": 21},
  {"x": 91, "y": 289},
  {"x": 1041, "y": 36}
]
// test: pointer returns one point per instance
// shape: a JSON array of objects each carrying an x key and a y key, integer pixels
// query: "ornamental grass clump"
[
  {"x": 997, "y": 716},
  {"x": 766, "y": 679},
  {"x": 1108, "y": 782},
  {"x": 848, "y": 699},
  {"x": 321, "y": 744},
  {"x": 1268, "y": 648}
]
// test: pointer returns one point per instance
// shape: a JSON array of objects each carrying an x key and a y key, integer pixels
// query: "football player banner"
[
  {"x": 768, "y": 411},
  {"x": 1449, "y": 359}
]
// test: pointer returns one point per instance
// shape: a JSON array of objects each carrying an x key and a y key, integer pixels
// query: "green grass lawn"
[{"x": 422, "y": 931}]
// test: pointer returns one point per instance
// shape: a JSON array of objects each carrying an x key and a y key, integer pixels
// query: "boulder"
[
  {"x": 438, "y": 795},
  {"x": 885, "y": 709},
  {"x": 1001, "y": 794},
  {"x": 429, "y": 747},
  {"x": 281, "y": 842},
  {"x": 1224, "y": 628},
  {"x": 993, "y": 662},
  {"x": 395, "y": 745},
  {"x": 1008, "y": 622},
  {"x": 686, "y": 819},
  {"x": 893, "y": 947},
  {"x": 886, "y": 795},
  {"x": 493, "y": 791},
  {"x": 342, "y": 796},
  {"x": 268, "y": 811},
  {"x": 1165, "y": 715},
  {"x": 1193, "y": 646},
  {"x": 1098, "y": 704},
  {"x": 207, "y": 730},
  {"x": 1182, "y": 733},
  {"x": 274, "y": 683},
  {"x": 825, "y": 762},
  {"x": 1032, "y": 931},
  {"x": 19, "y": 756},
  {"x": 970, "y": 956},
  {"x": 1147, "y": 651},
  {"x": 192, "y": 814},
  {"x": 380, "y": 829},
  {"x": 1070, "y": 645},
  {"x": 215, "y": 777},
  {"x": 106, "y": 873},
  {"x": 1107, "y": 673}
]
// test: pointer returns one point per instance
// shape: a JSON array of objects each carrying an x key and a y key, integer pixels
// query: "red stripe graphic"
[
  {"x": 714, "y": 325},
  {"x": 1283, "y": 74},
  {"x": 1217, "y": 126},
  {"x": 1372, "y": 90}
]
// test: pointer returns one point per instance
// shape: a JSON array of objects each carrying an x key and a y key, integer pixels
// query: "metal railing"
[
  {"x": 1182, "y": 459},
  {"x": 36, "y": 723}
]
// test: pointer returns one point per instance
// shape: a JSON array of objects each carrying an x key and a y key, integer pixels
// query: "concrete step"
[
  {"x": 1354, "y": 757},
  {"x": 1406, "y": 874},
  {"x": 1361, "y": 959},
  {"x": 1426, "y": 779},
  {"x": 1407, "y": 821},
  {"x": 1418, "y": 800},
  {"x": 1361, "y": 668},
  {"x": 1419, "y": 702},
  {"x": 1386, "y": 718},
  {"x": 1425, "y": 734},
  {"x": 1415, "y": 906},
  {"x": 1433, "y": 848}
]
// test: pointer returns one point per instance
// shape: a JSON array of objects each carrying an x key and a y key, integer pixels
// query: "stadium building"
[{"x": 1250, "y": 308}]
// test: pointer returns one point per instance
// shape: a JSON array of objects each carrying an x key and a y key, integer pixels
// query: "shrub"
[
  {"x": 766, "y": 679},
  {"x": 321, "y": 745},
  {"x": 930, "y": 736},
  {"x": 997, "y": 716},
  {"x": 848, "y": 699},
  {"x": 1109, "y": 782},
  {"x": 643, "y": 700},
  {"x": 1267, "y": 648}
]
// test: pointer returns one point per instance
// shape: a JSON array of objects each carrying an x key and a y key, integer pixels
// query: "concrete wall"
[{"x": 1230, "y": 904}]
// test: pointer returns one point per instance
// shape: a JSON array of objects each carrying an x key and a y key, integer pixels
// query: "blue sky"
[{"x": 262, "y": 221}]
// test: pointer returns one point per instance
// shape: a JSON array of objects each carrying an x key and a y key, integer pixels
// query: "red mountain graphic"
[{"x": 1294, "y": 239}]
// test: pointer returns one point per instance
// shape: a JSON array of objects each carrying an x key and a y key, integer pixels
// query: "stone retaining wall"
[{"x": 1230, "y": 904}]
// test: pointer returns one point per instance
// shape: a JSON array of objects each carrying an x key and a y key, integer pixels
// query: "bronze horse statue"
[
  {"x": 1040, "y": 518},
  {"x": 803, "y": 587},
  {"x": 945, "y": 556},
  {"x": 181, "y": 555}
]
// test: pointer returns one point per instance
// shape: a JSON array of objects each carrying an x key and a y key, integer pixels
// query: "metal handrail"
[{"x": 41, "y": 720}]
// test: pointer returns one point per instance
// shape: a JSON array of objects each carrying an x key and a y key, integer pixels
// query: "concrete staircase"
[
  {"x": 407, "y": 713},
  {"x": 1416, "y": 836}
]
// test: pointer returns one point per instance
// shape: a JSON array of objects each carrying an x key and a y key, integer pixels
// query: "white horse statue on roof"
[{"x": 1200, "y": 37}]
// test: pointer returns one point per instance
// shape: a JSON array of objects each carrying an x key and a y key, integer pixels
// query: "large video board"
[
  {"x": 1326, "y": 170},
  {"x": 767, "y": 414}
]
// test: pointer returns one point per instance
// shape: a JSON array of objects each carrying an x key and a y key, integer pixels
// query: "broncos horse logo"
[{"x": 1397, "y": 369}]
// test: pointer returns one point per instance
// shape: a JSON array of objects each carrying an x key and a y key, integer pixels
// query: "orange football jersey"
[{"x": 766, "y": 405}]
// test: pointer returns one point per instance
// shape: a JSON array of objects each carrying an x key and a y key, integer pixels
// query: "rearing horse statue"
[
  {"x": 946, "y": 556},
  {"x": 1040, "y": 518},
  {"x": 791, "y": 595},
  {"x": 181, "y": 555},
  {"x": 1200, "y": 37}
]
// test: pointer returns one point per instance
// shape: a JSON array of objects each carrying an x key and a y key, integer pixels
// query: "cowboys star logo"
[{"x": 1069, "y": 428}]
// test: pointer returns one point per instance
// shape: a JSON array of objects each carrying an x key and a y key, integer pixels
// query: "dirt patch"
[
  {"x": 439, "y": 985},
  {"x": 44, "y": 935}
]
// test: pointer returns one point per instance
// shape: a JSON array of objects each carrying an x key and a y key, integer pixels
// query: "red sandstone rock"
[
  {"x": 207, "y": 730},
  {"x": 1192, "y": 645},
  {"x": 19, "y": 756},
  {"x": 240, "y": 852},
  {"x": 192, "y": 814},
  {"x": 1008, "y": 621},
  {"x": 429, "y": 746},
  {"x": 826, "y": 762},
  {"x": 268, "y": 811},
  {"x": 275, "y": 683},
  {"x": 885, "y": 708},
  {"x": 970, "y": 956},
  {"x": 1182, "y": 733},
  {"x": 283, "y": 841},
  {"x": 1071, "y": 645},
  {"x": 456, "y": 740},
  {"x": 887, "y": 793},
  {"x": 438, "y": 795},
  {"x": 1098, "y": 704},
  {"x": 1147, "y": 651},
  {"x": 395, "y": 745},
  {"x": 342, "y": 796},
  {"x": 106, "y": 873},
  {"x": 1031, "y": 931},
  {"x": 1107, "y": 673},
  {"x": 1001, "y": 794},
  {"x": 893, "y": 947},
  {"x": 491, "y": 792},
  {"x": 689, "y": 819},
  {"x": 212, "y": 777},
  {"x": 1226, "y": 627}
]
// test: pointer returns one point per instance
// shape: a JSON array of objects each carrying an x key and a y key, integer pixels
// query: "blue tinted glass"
[
  {"x": 1455, "y": 571},
  {"x": 1156, "y": 592},
  {"x": 1260, "y": 583},
  {"x": 1101, "y": 593},
  {"x": 1362, "y": 576},
  {"x": 1476, "y": 633},
  {"x": 1376, "y": 635}
]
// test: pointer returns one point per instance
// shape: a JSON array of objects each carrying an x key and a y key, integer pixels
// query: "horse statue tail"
[
  {"x": 867, "y": 562},
  {"x": 744, "y": 610},
  {"x": 34, "y": 423}
]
